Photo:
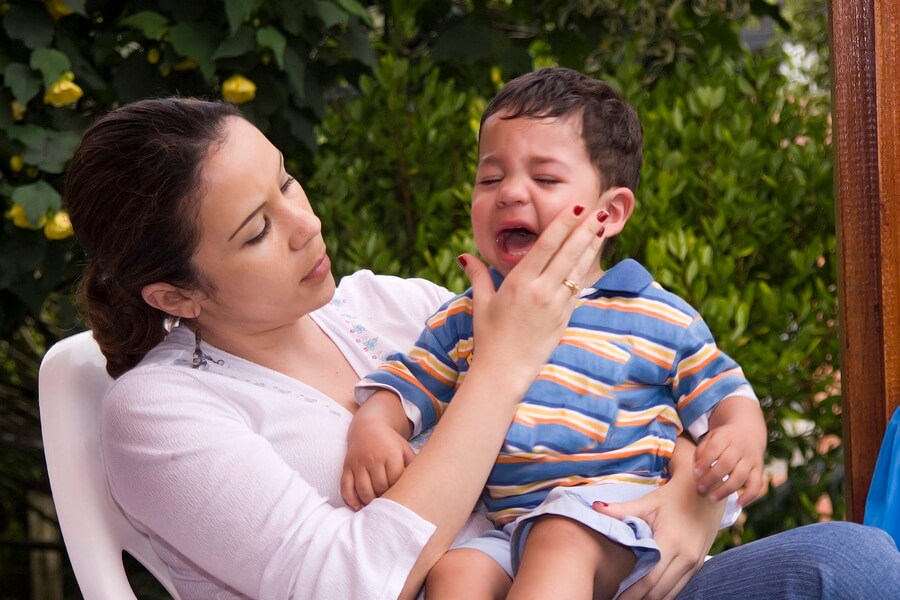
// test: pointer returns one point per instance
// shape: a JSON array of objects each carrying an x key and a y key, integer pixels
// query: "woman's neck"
[
  {"x": 302, "y": 351},
  {"x": 268, "y": 347}
]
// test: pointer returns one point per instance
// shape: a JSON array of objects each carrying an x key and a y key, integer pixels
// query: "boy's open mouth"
[{"x": 516, "y": 241}]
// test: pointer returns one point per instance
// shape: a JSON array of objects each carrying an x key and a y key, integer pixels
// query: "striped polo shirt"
[{"x": 634, "y": 364}]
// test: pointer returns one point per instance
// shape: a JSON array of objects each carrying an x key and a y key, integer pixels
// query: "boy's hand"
[
  {"x": 376, "y": 457},
  {"x": 727, "y": 460}
]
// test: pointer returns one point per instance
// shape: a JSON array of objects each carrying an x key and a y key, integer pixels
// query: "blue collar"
[{"x": 628, "y": 276}]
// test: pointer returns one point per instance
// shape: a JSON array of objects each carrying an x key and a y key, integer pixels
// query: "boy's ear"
[
  {"x": 172, "y": 300},
  {"x": 619, "y": 203}
]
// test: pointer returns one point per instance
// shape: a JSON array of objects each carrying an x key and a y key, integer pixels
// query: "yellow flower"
[
  {"x": 20, "y": 219},
  {"x": 16, "y": 163},
  {"x": 59, "y": 227},
  {"x": 188, "y": 64},
  {"x": 237, "y": 89},
  {"x": 18, "y": 111},
  {"x": 152, "y": 56},
  {"x": 57, "y": 9},
  {"x": 64, "y": 91},
  {"x": 496, "y": 77}
]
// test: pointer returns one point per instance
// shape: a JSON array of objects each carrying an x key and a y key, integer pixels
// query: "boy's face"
[{"x": 529, "y": 169}]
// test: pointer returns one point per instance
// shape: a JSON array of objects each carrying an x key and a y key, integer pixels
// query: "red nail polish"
[
  {"x": 600, "y": 503},
  {"x": 461, "y": 261},
  {"x": 578, "y": 209},
  {"x": 602, "y": 216},
  {"x": 601, "y": 232}
]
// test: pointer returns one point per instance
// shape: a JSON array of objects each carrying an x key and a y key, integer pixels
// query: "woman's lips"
[{"x": 319, "y": 271}]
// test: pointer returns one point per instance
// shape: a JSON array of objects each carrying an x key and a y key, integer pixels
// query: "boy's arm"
[
  {"x": 730, "y": 456},
  {"x": 377, "y": 449}
]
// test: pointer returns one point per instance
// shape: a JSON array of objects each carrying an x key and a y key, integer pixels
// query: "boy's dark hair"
[{"x": 610, "y": 126}]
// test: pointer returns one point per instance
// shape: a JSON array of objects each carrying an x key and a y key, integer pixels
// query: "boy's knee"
[
  {"x": 555, "y": 527},
  {"x": 468, "y": 570}
]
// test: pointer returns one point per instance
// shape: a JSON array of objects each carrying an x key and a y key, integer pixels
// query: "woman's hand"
[
  {"x": 519, "y": 325},
  {"x": 684, "y": 527}
]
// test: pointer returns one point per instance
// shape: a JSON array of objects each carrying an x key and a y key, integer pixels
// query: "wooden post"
[{"x": 865, "y": 58}]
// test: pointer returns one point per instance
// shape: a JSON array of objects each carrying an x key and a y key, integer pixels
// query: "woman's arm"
[{"x": 684, "y": 526}]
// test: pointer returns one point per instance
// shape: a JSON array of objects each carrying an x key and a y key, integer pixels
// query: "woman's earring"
[
  {"x": 199, "y": 361},
  {"x": 170, "y": 323}
]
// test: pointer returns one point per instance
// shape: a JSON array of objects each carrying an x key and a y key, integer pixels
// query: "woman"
[{"x": 224, "y": 441}]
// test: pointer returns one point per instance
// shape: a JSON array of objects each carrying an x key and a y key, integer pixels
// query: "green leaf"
[
  {"x": 151, "y": 24},
  {"x": 51, "y": 63},
  {"x": 357, "y": 43},
  {"x": 47, "y": 149},
  {"x": 20, "y": 255},
  {"x": 269, "y": 37},
  {"x": 355, "y": 8},
  {"x": 22, "y": 81},
  {"x": 193, "y": 40},
  {"x": 717, "y": 98},
  {"x": 295, "y": 68},
  {"x": 237, "y": 11},
  {"x": 404, "y": 9},
  {"x": 37, "y": 198},
  {"x": 239, "y": 44},
  {"x": 330, "y": 14},
  {"x": 30, "y": 24}
]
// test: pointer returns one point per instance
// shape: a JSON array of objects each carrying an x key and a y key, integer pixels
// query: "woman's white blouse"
[{"x": 234, "y": 472}]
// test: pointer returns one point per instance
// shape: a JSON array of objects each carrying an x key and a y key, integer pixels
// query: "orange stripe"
[
  {"x": 594, "y": 350},
  {"x": 407, "y": 376},
  {"x": 648, "y": 313},
  {"x": 434, "y": 373},
  {"x": 702, "y": 364},
  {"x": 559, "y": 381},
  {"x": 655, "y": 360},
  {"x": 531, "y": 420},
  {"x": 611, "y": 455},
  {"x": 704, "y": 386},
  {"x": 440, "y": 319},
  {"x": 644, "y": 311}
]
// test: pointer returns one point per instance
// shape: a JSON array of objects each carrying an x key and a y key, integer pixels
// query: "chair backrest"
[{"x": 72, "y": 383}]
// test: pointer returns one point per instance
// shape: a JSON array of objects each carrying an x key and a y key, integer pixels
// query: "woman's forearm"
[{"x": 445, "y": 480}]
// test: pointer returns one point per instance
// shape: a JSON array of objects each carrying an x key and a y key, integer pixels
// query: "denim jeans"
[{"x": 833, "y": 561}]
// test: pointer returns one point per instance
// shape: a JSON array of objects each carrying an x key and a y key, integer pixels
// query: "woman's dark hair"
[{"x": 131, "y": 190}]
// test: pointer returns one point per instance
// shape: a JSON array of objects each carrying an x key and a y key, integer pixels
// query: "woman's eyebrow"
[
  {"x": 260, "y": 207},
  {"x": 247, "y": 220}
]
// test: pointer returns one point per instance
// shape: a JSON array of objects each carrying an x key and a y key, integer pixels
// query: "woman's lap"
[{"x": 835, "y": 560}]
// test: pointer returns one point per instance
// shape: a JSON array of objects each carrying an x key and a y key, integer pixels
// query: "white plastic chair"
[{"x": 72, "y": 383}]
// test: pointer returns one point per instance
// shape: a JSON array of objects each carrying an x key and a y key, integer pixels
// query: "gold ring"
[{"x": 573, "y": 287}]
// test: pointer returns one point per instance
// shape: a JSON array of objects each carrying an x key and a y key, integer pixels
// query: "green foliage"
[
  {"x": 394, "y": 172},
  {"x": 468, "y": 38},
  {"x": 735, "y": 215}
]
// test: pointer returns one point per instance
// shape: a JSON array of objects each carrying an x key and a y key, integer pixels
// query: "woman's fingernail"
[
  {"x": 461, "y": 261},
  {"x": 578, "y": 209},
  {"x": 601, "y": 232},
  {"x": 599, "y": 504},
  {"x": 602, "y": 216}
]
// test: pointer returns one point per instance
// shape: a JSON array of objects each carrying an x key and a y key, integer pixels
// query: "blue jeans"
[{"x": 834, "y": 561}]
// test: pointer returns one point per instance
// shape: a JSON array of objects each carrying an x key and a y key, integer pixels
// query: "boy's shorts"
[{"x": 506, "y": 545}]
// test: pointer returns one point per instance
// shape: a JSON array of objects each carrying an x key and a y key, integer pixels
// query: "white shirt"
[{"x": 234, "y": 472}]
